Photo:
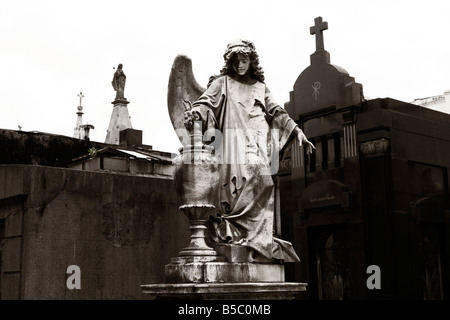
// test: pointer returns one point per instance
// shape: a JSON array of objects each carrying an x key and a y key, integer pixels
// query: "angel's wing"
[{"x": 182, "y": 87}]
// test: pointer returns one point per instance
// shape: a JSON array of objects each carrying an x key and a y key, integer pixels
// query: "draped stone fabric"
[{"x": 251, "y": 130}]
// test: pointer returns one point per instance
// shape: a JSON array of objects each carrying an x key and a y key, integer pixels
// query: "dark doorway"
[
  {"x": 330, "y": 278},
  {"x": 2, "y": 240},
  {"x": 432, "y": 270}
]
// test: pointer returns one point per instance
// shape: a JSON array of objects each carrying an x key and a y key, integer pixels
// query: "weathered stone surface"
[
  {"x": 11, "y": 254},
  {"x": 232, "y": 253},
  {"x": 322, "y": 86},
  {"x": 118, "y": 228},
  {"x": 11, "y": 286},
  {"x": 21, "y": 147},
  {"x": 130, "y": 137},
  {"x": 223, "y": 272},
  {"x": 223, "y": 291},
  {"x": 120, "y": 120}
]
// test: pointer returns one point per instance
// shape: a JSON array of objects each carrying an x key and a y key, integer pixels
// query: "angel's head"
[{"x": 241, "y": 58}]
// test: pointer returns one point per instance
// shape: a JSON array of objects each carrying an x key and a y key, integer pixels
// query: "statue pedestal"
[
  {"x": 220, "y": 271},
  {"x": 228, "y": 275},
  {"x": 120, "y": 120},
  {"x": 225, "y": 291},
  {"x": 191, "y": 271}
]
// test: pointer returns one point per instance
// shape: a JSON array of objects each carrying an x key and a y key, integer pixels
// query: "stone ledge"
[{"x": 225, "y": 291}]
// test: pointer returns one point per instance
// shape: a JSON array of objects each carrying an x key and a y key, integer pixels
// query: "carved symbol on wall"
[
  {"x": 316, "y": 87},
  {"x": 124, "y": 223}
]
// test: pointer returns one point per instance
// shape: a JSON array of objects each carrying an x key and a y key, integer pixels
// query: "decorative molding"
[
  {"x": 350, "y": 148},
  {"x": 374, "y": 147}
]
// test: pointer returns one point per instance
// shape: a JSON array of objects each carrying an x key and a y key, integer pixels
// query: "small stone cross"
[
  {"x": 81, "y": 97},
  {"x": 317, "y": 29}
]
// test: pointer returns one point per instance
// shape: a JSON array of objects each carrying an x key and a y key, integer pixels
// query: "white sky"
[{"x": 51, "y": 50}]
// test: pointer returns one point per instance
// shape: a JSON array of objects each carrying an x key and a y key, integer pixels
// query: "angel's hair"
[{"x": 246, "y": 48}]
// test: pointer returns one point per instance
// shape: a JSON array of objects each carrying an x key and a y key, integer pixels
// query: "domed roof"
[{"x": 323, "y": 85}]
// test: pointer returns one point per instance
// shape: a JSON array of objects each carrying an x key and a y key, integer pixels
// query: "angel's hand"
[
  {"x": 190, "y": 116},
  {"x": 301, "y": 137},
  {"x": 188, "y": 119},
  {"x": 195, "y": 114}
]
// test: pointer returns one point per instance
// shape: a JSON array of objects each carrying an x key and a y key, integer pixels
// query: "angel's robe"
[{"x": 251, "y": 130}]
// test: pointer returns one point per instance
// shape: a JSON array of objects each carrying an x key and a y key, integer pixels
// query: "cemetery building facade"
[{"x": 374, "y": 193}]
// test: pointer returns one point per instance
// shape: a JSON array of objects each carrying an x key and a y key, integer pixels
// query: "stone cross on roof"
[
  {"x": 317, "y": 29},
  {"x": 322, "y": 86},
  {"x": 81, "y": 97}
]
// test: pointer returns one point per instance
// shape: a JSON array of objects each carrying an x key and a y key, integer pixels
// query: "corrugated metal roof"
[{"x": 134, "y": 154}]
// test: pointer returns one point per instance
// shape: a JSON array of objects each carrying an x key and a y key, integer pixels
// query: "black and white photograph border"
[{"x": 131, "y": 163}]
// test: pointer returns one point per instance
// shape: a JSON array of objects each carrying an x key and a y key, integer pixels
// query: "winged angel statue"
[
  {"x": 250, "y": 132},
  {"x": 183, "y": 90}
]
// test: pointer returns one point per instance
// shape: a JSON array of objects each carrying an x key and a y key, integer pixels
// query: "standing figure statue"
[
  {"x": 251, "y": 130},
  {"x": 118, "y": 83}
]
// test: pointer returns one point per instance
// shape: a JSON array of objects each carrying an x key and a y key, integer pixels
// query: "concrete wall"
[
  {"x": 137, "y": 166},
  {"x": 120, "y": 229},
  {"x": 41, "y": 148}
]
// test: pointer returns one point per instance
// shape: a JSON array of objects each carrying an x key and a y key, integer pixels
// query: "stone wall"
[
  {"x": 120, "y": 229},
  {"x": 21, "y": 147}
]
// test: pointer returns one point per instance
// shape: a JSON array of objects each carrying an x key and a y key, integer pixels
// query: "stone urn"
[{"x": 196, "y": 178}]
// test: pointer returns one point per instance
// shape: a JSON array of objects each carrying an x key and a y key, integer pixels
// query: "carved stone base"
[
  {"x": 228, "y": 275},
  {"x": 231, "y": 263},
  {"x": 180, "y": 271},
  {"x": 238, "y": 253}
]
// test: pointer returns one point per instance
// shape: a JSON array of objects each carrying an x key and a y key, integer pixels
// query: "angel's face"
[{"x": 241, "y": 63}]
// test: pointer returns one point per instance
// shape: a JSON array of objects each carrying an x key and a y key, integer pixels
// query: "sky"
[{"x": 51, "y": 50}]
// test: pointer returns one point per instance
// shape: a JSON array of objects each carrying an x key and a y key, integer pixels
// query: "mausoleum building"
[{"x": 374, "y": 193}]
